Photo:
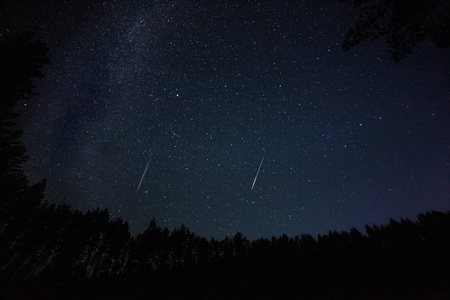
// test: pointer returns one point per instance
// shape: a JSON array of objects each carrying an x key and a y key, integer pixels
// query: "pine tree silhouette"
[{"x": 22, "y": 58}]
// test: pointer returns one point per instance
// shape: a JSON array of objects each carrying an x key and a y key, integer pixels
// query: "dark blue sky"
[{"x": 203, "y": 91}]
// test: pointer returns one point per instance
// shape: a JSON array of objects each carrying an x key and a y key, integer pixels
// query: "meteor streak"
[
  {"x": 143, "y": 176},
  {"x": 254, "y": 181}
]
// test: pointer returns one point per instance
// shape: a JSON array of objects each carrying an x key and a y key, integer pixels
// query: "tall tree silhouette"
[
  {"x": 22, "y": 58},
  {"x": 404, "y": 24}
]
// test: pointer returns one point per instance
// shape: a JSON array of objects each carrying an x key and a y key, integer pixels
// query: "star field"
[{"x": 202, "y": 91}]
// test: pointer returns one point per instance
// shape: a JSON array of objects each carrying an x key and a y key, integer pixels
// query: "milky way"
[{"x": 350, "y": 137}]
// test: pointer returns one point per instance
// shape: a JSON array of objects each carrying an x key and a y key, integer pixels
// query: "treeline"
[{"x": 60, "y": 249}]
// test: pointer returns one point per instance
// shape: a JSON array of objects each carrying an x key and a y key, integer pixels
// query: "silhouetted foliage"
[
  {"x": 21, "y": 60},
  {"x": 91, "y": 251},
  {"x": 404, "y": 24}
]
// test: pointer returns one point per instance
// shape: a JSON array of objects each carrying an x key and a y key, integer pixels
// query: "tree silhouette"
[
  {"x": 404, "y": 24},
  {"x": 21, "y": 61},
  {"x": 70, "y": 248}
]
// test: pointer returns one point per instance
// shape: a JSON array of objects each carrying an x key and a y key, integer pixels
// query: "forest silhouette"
[{"x": 50, "y": 251}]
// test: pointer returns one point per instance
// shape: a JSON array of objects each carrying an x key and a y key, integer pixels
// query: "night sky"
[{"x": 202, "y": 91}]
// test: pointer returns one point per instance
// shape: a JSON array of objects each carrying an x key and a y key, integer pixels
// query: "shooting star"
[
  {"x": 142, "y": 178},
  {"x": 254, "y": 181},
  {"x": 173, "y": 133}
]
